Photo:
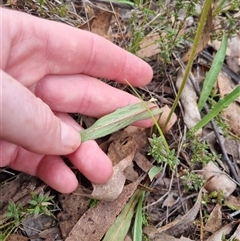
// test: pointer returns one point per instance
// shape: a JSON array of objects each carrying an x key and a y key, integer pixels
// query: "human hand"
[{"x": 49, "y": 69}]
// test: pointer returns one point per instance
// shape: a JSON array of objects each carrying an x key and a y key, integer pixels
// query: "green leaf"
[
  {"x": 213, "y": 73},
  {"x": 137, "y": 228},
  {"x": 119, "y": 229},
  {"x": 119, "y": 119},
  {"x": 222, "y": 103},
  {"x": 153, "y": 172}
]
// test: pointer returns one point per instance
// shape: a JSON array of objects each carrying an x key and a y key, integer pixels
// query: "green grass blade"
[
  {"x": 205, "y": 11},
  {"x": 222, "y": 104},
  {"x": 213, "y": 73},
  {"x": 137, "y": 228},
  {"x": 119, "y": 119},
  {"x": 119, "y": 229}
]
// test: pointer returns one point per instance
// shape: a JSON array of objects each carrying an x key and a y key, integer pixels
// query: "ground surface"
[{"x": 175, "y": 204}]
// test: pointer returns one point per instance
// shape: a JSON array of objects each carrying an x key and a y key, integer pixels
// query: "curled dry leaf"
[
  {"x": 110, "y": 190},
  {"x": 219, "y": 180},
  {"x": 189, "y": 102}
]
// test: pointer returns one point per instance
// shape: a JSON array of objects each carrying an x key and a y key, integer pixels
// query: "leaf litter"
[{"x": 173, "y": 210}]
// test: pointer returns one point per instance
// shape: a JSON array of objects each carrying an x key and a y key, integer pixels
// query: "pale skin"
[{"x": 48, "y": 70}]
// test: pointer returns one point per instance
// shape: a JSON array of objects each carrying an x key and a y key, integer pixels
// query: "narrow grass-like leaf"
[
  {"x": 222, "y": 103},
  {"x": 213, "y": 73},
  {"x": 119, "y": 119},
  {"x": 119, "y": 229},
  {"x": 137, "y": 227},
  {"x": 201, "y": 24}
]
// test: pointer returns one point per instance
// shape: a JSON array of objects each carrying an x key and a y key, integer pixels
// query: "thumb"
[{"x": 28, "y": 122}]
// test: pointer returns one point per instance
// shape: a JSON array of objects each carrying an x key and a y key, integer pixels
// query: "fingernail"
[{"x": 70, "y": 137}]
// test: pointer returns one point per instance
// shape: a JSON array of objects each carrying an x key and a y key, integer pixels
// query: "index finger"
[{"x": 66, "y": 50}]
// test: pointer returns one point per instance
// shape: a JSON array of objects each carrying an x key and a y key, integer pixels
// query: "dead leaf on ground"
[
  {"x": 100, "y": 23},
  {"x": 178, "y": 226},
  {"x": 166, "y": 237},
  {"x": 126, "y": 144},
  {"x": 215, "y": 219},
  {"x": 233, "y": 202},
  {"x": 219, "y": 181},
  {"x": 149, "y": 46},
  {"x": 96, "y": 221},
  {"x": 232, "y": 116},
  {"x": 110, "y": 190},
  {"x": 223, "y": 231},
  {"x": 236, "y": 234},
  {"x": 205, "y": 37},
  {"x": 232, "y": 113},
  {"x": 142, "y": 162},
  {"x": 189, "y": 102},
  {"x": 33, "y": 226},
  {"x": 73, "y": 207},
  {"x": 17, "y": 237},
  {"x": 233, "y": 52}
]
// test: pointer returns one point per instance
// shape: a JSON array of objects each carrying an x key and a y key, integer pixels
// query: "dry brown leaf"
[
  {"x": 110, "y": 190},
  {"x": 178, "y": 226},
  {"x": 233, "y": 202},
  {"x": 96, "y": 221},
  {"x": 223, "y": 231},
  {"x": 166, "y": 237},
  {"x": 189, "y": 102},
  {"x": 219, "y": 180},
  {"x": 225, "y": 85},
  {"x": 149, "y": 46},
  {"x": 17, "y": 237},
  {"x": 142, "y": 162},
  {"x": 232, "y": 113},
  {"x": 73, "y": 207},
  {"x": 215, "y": 219},
  {"x": 101, "y": 24},
  {"x": 125, "y": 145},
  {"x": 232, "y": 116},
  {"x": 204, "y": 38},
  {"x": 232, "y": 147}
]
